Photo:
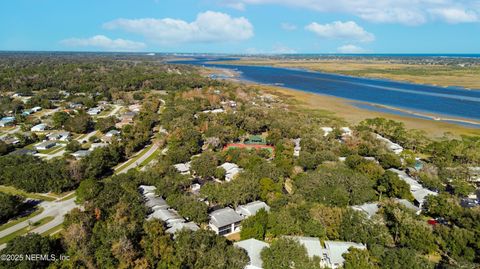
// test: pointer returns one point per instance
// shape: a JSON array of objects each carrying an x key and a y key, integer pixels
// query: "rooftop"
[
  {"x": 224, "y": 216},
  {"x": 253, "y": 247}
]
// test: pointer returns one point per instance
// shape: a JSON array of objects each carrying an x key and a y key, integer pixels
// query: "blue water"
[{"x": 452, "y": 101}]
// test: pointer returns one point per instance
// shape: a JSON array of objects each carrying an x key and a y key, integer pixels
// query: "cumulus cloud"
[
  {"x": 103, "y": 42},
  {"x": 455, "y": 15},
  {"x": 408, "y": 12},
  {"x": 341, "y": 30},
  {"x": 350, "y": 49},
  {"x": 208, "y": 27},
  {"x": 288, "y": 26}
]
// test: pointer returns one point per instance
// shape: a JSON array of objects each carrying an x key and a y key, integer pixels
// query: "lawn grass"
[
  {"x": 17, "y": 221},
  {"x": 15, "y": 191},
  {"x": 149, "y": 159},
  {"x": 51, "y": 150},
  {"x": 25, "y": 230},
  {"x": 67, "y": 197}
]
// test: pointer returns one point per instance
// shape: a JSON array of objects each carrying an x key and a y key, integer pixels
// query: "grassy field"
[
  {"x": 341, "y": 108},
  {"x": 36, "y": 196},
  {"x": 53, "y": 230},
  {"x": 467, "y": 77},
  {"x": 25, "y": 230}
]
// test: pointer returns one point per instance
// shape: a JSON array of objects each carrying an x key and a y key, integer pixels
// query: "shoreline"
[{"x": 233, "y": 75}]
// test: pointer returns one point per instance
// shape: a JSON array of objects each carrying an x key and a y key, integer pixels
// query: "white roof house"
[
  {"x": 81, "y": 154},
  {"x": 39, "y": 127},
  {"x": 251, "y": 209},
  {"x": 225, "y": 221},
  {"x": 333, "y": 251},
  {"x": 36, "y": 109},
  {"x": 182, "y": 225},
  {"x": 396, "y": 148},
  {"x": 94, "y": 111},
  {"x": 112, "y": 133},
  {"x": 253, "y": 247},
  {"x": 327, "y": 130},
  {"x": 183, "y": 168},
  {"x": 167, "y": 215},
  {"x": 231, "y": 170},
  {"x": 147, "y": 189},
  {"x": 297, "y": 148},
  {"x": 312, "y": 244},
  {"x": 62, "y": 136},
  {"x": 370, "y": 209},
  {"x": 346, "y": 131},
  {"x": 417, "y": 190}
]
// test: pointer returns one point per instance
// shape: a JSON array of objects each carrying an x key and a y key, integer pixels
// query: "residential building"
[
  {"x": 231, "y": 170},
  {"x": 81, "y": 154},
  {"x": 46, "y": 145},
  {"x": 417, "y": 190},
  {"x": 251, "y": 209},
  {"x": 94, "y": 111},
  {"x": 183, "y": 168},
  {"x": 253, "y": 247},
  {"x": 7, "y": 121},
  {"x": 39, "y": 127},
  {"x": 225, "y": 221},
  {"x": 112, "y": 133},
  {"x": 396, "y": 148},
  {"x": 297, "y": 148},
  {"x": 370, "y": 209},
  {"x": 327, "y": 130},
  {"x": 181, "y": 226},
  {"x": 62, "y": 136},
  {"x": 36, "y": 109},
  {"x": 334, "y": 250},
  {"x": 23, "y": 152}
]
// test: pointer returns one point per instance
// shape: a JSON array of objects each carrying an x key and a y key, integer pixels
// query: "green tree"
[
  {"x": 358, "y": 258},
  {"x": 285, "y": 253}
]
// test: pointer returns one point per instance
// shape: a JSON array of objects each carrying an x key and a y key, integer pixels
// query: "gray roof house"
[
  {"x": 370, "y": 209},
  {"x": 417, "y": 190},
  {"x": 225, "y": 221},
  {"x": 333, "y": 251},
  {"x": 251, "y": 209},
  {"x": 156, "y": 203},
  {"x": 167, "y": 215},
  {"x": 253, "y": 247},
  {"x": 182, "y": 225},
  {"x": 45, "y": 145},
  {"x": 312, "y": 244},
  {"x": 183, "y": 168}
]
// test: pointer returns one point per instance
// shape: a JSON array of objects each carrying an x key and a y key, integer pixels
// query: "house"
[
  {"x": 62, "y": 136},
  {"x": 7, "y": 121},
  {"x": 94, "y": 111},
  {"x": 155, "y": 202},
  {"x": 10, "y": 140},
  {"x": 181, "y": 226},
  {"x": 370, "y": 209},
  {"x": 36, "y": 109},
  {"x": 297, "y": 148},
  {"x": 98, "y": 145},
  {"x": 251, "y": 209},
  {"x": 39, "y": 127},
  {"x": 23, "y": 152},
  {"x": 231, "y": 170},
  {"x": 409, "y": 205},
  {"x": 225, "y": 221},
  {"x": 417, "y": 190},
  {"x": 334, "y": 250},
  {"x": 168, "y": 216},
  {"x": 135, "y": 107},
  {"x": 346, "y": 131},
  {"x": 81, "y": 154},
  {"x": 183, "y": 168},
  {"x": 253, "y": 247},
  {"x": 396, "y": 148},
  {"x": 112, "y": 133},
  {"x": 46, "y": 145},
  {"x": 327, "y": 130},
  {"x": 26, "y": 112}
]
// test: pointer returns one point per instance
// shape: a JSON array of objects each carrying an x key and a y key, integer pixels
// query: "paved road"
[
  {"x": 14, "y": 130},
  {"x": 85, "y": 139},
  {"x": 140, "y": 160},
  {"x": 57, "y": 209},
  {"x": 113, "y": 112}
]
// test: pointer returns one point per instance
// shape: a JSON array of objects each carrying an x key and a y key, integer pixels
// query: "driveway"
[{"x": 140, "y": 160}]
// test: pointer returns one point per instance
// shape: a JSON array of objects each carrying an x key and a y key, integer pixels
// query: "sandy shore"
[{"x": 344, "y": 109}]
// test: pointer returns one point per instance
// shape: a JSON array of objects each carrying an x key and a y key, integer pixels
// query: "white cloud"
[
  {"x": 455, "y": 15},
  {"x": 408, "y": 12},
  {"x": 341, "y": 30},
  {"x": 208, "y": 27},
  {"x": 350, "y": 49},
  {"x": 103, "y": 42},
  {"x": 288, "y": 26}
]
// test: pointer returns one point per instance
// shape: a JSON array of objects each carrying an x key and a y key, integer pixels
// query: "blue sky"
[{"x": 242, "y": 26}]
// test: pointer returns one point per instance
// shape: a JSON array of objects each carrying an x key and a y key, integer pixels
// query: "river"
[{"x": 415, "y": 99}]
